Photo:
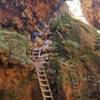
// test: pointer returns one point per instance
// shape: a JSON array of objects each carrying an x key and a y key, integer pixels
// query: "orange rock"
[
  {"x": 91, "y": 9},
  {"x": 21, "y": 14}
]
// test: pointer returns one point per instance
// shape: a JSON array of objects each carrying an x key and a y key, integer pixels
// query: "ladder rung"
[
  {"x": 44, "y": 85},
  {"x": 43, "y": 80},
  {"x": 47, "y": 96},
  {"x": 35, "y": 57},
  {"x": 45, "y": 62},
  {"x": 40, "y": 75},
  {"x": 47, "y": 93},
  {"x": 36, "y": 49},
  {"x": 35, "y": 54},
  {"x": 40, "y": 72},
  {"x": 46, "y": 90},
  {"x": 40, "y": 69}
]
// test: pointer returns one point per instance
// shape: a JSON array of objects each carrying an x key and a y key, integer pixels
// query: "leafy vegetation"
[
  {"x": 14, "y": 48},
  {"x": 78, "y": 55}
]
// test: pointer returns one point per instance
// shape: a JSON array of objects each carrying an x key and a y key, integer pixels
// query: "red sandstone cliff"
[
  {"x": 19, "y": 83},
  {"x": 91, "y": 9},
  {"x": 22, "y": 15},
  {"x": 17, "y": 80}
]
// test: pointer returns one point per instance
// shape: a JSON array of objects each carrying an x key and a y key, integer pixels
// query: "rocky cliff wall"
[
  {"x": 22, "y": 15},
  {"x": 91, "y": 9},
  {"x": 17, "y": 76},
  {"x": 75, "y": 62}
]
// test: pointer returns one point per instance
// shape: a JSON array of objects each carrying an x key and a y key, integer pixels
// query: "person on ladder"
[
  {"x": 46, "y": 46},
  {"x": 37, "y": 43}
]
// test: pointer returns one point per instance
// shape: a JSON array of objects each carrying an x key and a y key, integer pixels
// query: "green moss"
[
  {"x": 15, "y": 47},
  {"x": 74, "y": 52}
]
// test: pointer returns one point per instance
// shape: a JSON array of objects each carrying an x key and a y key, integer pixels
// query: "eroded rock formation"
[
  {"x": 75, "y": 61},
  {"x": 74, "y": 71},
  {"x": 91, "y": 9},
  {"x": 17, "y": 77},
  {"x": 22, "y": 15},
  {"x": 17, "y": 84}
]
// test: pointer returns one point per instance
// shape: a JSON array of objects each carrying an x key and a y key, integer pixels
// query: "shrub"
[{"x": 14, "y": 48}]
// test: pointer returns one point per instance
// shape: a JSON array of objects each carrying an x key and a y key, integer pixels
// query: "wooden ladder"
[{"x": 42, "y": 77}]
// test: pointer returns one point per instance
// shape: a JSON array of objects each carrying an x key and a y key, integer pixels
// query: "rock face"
[
  {"x": 17, "y": 78},
  {"x": 16, "y": 67},
  {"x": 91, "y": 9},
  {"x": 76, "y": 59},
  {"x": 17, "y": 84},
  {"x": 22, "y": 15}
]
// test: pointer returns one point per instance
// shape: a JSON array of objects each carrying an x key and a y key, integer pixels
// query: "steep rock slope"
[
  {"x": 17, "y": 83},
  {"x": 91, "y": 9},
  {"x": 17, "y": 76},
  {"x": 75, "y": 60},
  {"x": 22, "y": 15},
  {"x": 16, "y": 67}
]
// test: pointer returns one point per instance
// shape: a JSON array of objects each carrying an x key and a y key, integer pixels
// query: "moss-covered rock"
[
  {"x": 78, "y": 58},
  {"x": 14, "y": 48}
]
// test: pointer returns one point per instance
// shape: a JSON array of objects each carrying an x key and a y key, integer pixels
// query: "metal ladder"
[{"x": 41, "y": 75}]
